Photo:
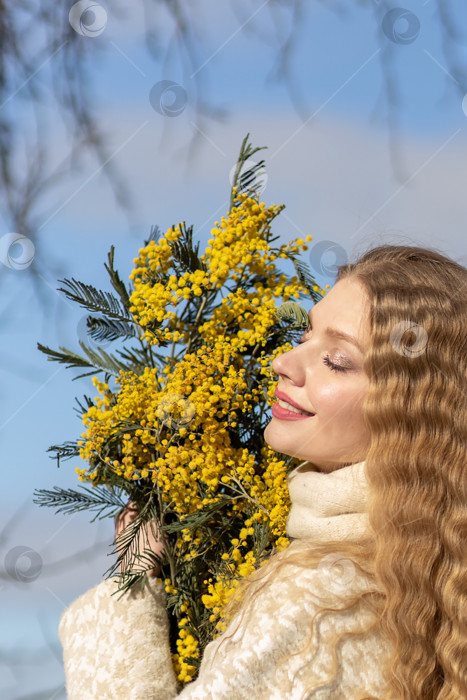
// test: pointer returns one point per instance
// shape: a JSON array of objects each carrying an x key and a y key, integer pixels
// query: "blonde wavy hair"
[{"x": 416, "y": 468}]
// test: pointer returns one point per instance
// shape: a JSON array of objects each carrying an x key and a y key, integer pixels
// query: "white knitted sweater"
[{"x": 118, "y": 647}]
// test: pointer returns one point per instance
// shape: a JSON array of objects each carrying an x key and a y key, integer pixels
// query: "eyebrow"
[{"x": 339, "y": 335}]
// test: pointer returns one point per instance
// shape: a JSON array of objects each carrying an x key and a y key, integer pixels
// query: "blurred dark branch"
[
  {"x": 46, "y": 66},
  {"x": 453, "y": 44},
  {"x": 189, "y": 46}
]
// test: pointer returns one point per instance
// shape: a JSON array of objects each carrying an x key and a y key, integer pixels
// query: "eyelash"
[
  {"x": 332, "y": 366},
  {"x": 326, "y": 360}
]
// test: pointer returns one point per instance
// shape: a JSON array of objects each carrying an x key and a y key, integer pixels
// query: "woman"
[{"x": 369, "y": 600}]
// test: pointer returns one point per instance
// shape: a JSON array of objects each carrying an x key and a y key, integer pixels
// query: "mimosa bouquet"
[{"x": 177, "y": 424}]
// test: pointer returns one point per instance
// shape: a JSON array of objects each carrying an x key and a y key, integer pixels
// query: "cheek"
[
  {"x": 326, "y": 398},
  {"x": 354, "y": 411},
  {"x": 343, "y": 402}
]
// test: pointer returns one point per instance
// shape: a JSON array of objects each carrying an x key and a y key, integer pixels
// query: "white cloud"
[{"x": 335, "y": 178}]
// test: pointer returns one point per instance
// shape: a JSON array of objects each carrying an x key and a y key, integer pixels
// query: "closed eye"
[
  {"x": 333, "y": 367},
  {"x": 326, "y": 360}
]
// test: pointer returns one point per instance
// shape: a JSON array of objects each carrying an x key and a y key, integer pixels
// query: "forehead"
[{"x": 346, "y": 308}]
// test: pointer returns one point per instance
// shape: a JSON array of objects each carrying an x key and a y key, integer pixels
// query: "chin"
[{"x": 274, "y": 440}]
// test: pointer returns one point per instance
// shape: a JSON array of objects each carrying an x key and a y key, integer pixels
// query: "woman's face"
[{"x": 318, "y": 415}]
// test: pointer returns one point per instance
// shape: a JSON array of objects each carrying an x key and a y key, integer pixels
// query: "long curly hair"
[
  {"x": 416, "y": 469},
  {"x": 416, "y": 410}
]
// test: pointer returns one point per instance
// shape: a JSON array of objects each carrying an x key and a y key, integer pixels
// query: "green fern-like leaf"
[
  {"x": 291, "y": 311},
  {"x": 109, "y": 329},
  {"x": 64, "y": 356},
  {"x": 250, "y": 180},
  {"x": 196, "y": 520},
  {"x": 243, "y": 182},
  {"x": 117, "y": 282},
  {"x": 102, "y": 361},
  {"x": 130, "y": 560},
  {"x": 87, "y": 296},
  {"x": 97, "y": 360},
  {"x": 127, "y": 581},
  {"x": 65, "y": 451},
  {"x": 107, "y": 503},
  {"x": 154, "y": 235},
  {"x": 185, "y": 254},
  {"x": 137, "y": 359},
  {"x": 303, "y": 274},
  {"x": 81, "y": 407}
]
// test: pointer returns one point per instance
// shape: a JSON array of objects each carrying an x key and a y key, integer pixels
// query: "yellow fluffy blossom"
[{"x": 183, "y": 428}]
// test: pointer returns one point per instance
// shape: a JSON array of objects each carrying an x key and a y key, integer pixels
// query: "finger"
[{"x": 126, "y": 516}]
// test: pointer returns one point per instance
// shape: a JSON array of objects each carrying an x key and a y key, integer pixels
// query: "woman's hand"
[{"x": 145, "y": 537}]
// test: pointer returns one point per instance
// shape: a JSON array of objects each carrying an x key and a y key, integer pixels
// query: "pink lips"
[{"x": 282, "y": 413}]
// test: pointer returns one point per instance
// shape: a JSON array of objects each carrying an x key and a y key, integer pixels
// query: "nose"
[{"x": 290, "y": 366}]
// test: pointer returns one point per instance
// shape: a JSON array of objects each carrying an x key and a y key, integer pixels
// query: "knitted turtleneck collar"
[{"x": 328, "y": 505}]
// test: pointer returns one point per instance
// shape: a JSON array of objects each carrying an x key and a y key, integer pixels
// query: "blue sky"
[{"x": 332, "y": 166}]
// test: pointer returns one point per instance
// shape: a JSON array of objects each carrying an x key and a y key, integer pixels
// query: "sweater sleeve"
[
  {"x": 117, "y": 646},
  {"x": 271, "y": 651}
]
